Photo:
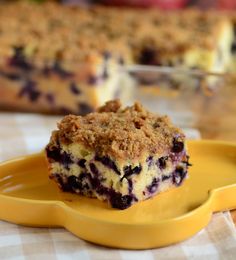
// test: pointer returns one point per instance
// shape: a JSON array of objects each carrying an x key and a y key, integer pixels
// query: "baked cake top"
[
  {"x": 49, "y": 31},
  {"x": 125, "y": 134}
]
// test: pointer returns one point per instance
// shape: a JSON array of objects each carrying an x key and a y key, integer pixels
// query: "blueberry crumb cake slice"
[{"x": 117, "y": 155}]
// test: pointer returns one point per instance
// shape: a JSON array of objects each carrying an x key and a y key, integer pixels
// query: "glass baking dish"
[{"x": 192, "y": 99}]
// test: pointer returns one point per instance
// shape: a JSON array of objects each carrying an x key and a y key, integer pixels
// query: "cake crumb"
[{"x": 110, "y": 106}]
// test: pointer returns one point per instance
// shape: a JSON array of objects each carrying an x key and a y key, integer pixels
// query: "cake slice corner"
[{"x": 119, "y": 155}]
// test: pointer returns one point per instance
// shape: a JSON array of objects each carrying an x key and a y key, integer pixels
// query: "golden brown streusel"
[
  {"x": 121, "y": 133},
  {"x": 70, "y": 34}
]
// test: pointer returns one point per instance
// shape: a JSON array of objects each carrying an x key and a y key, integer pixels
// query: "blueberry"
[
  {"x": 128, "y": 171},
  {"x": 120, "y": 202},
  {"x": 60, "y": 71},
  {"x": 162, "y": 162},
  {"x": 165, "y": 177},
  {"x": 178, "y": 176},
  {"x": 95, "y": 182},
  {"x": 34, "y": 95},
  {"x": 50, "y": 98},
  {"x": 92, "y": 80},
  {"x": 152, "y": 188},
  {"x": 78, "y": 183},
  {"x": 11, "y": 75},
  {"x": 108, "y": 163},
  {"x": 72, "y": 182},
  {"x": 74, "y": 89},
  {"x": 63, "y": 185},
  {"x": 81, "y": 163},
  {"x": 29, "y": 89},
  {"x": 148, "y": 56},
  {"x": 93, "y": 169},
  {"x": 130, "y": 183},
  {"x": 53, "y": 153},
  {"x": 102, "y": 190},
  {"x": 19, "y": 59},
  {"x": 65, "y": 110},
  {"x": 66, "y": 160},
  {"x": 149, "y": 161},
  {"x": 84, "y": 108},
  {"x": 177, "y": 146}
]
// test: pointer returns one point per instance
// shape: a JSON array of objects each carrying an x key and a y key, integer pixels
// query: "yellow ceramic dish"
[{"x": 28, "y": 197}]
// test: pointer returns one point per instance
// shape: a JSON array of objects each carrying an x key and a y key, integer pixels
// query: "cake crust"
[{"x": 120, "y": 133}]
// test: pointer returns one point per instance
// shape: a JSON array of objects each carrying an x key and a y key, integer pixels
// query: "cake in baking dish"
[
  {"x": 60, "y": 60},
  {"x": 122, "y": 156}
]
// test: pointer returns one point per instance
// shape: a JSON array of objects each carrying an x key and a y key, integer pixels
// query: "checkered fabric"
[{"x": 27, "y": 133}]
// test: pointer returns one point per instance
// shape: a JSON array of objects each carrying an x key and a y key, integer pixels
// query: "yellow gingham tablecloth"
[{"x": 27, "y": 133}]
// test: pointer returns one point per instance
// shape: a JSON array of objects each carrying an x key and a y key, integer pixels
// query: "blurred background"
[
  {"x": 164, "y": 4},
  {"x": 177, "y": 57}
]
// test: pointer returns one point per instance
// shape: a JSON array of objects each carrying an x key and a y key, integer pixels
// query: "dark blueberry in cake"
[
  {"x": 50, "y": 98},
  {"x": 161, "y": 163},
  {"x": 73, "y": 183},
  {"x": 65, "y": 186},
  {"x": 54, "y": 154},
  {"x": 178, "y": 176},
  {"x": 84, "y": 108},
  {"x": 120, "y": 202},
  {"x": 128, "y": 171},
  {"x": 83, "y": 176},
  {"x": 66, "y": 160},
  {"x": 60, "y": 71},
  {"x": 34, "y": 95},
  {"x": 95, "y": 182},
  {"x": 103, "y": 190},
  {"x": 152, "y": 188},
  {"x": 74, "y": 89},
  {"x": 107, "y": 162},
  {"x": 149, "y": 161},
  {"x": 130, "y": 183},
  {"x": 19, "y": 59},
  {"x": 92, "y": 80},
  {"x": 93, "y": 169},
  {"x": 65, "y": 110},
  {"x": 81, "y": 163},
  {"x": 11, "y": 75},
  {"x": 177, "y": 146},
  {"x": 165, "y": 177},
  {"x": 29, "y": 90},
  {"x": 148, "y": 56}
]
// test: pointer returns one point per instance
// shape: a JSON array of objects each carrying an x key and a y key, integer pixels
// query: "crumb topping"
[
  {"x": 120, "y": 133},
  {"x": 70, "y": 34}
]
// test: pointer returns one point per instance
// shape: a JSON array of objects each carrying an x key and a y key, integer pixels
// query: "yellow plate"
[{"x": 28, "y": 197}]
